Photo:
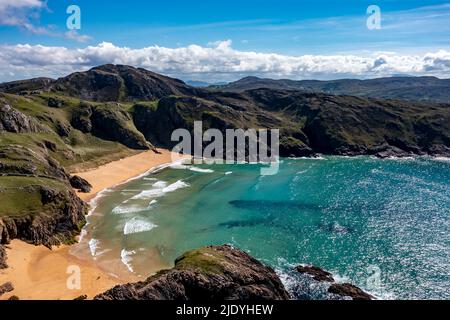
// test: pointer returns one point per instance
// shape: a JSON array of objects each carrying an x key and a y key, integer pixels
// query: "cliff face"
[
  {"x": 38, "y": 204},
  {"x": 211, "y": 273}
]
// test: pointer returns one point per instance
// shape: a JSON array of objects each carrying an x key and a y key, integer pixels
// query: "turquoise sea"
[{"x": 383, "y": 225}]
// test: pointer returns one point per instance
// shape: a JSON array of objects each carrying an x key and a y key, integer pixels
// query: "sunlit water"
[{"x": 381, "y": 224}]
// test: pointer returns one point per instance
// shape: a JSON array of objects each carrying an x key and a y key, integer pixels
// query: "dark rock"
[
  {"x": 12, "y": 298},
  {"x": 211, "y": 273},
  {"x": 81, "y": 118},
  {"x": 5, "y": 288},
  {"x": 349, "y": 290},
  {"x": 63, "y": 129},
  {"x": 82, "y": 297},
  {"x": 3, "y": 264},
  {"x": 50, "y": 146},
  {"x": 80, "y": 184},
  {"x": 14, "y": 121},
  {"x": 55, "y": 103},
  {"x": 317, "y": 273}
]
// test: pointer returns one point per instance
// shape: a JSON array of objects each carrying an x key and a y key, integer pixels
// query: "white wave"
[
  {"x": 147, "y": 194},
  {"x": 307, "y": 158},
  {"x": 150, "y": 179},
  {"x": 160, "y": 184},
  {"x": 178, "y": 166},
  {"x": 195, "y": 169},
  {"x": 175, "y": 186},
  {"x": 442, "y": 159},
  {"x": 93, "y": 246},
  {"x": 228, "y": 173},
  {"x": 137, "y": 225},
  {"x": 121, "y": 209},
  {"x": 126, "y": 257}
]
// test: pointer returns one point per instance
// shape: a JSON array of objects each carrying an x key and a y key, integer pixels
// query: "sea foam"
[
  {"x": 126, "y": 257},
  {"x": 93, "y": 246},
  {"x": 175, "y": 186},
  {"x": 137, "y": 225}
]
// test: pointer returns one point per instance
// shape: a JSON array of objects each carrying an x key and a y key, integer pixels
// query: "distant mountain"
[
  {"x": 405, "y": 88},
  {"x": 105, "y": 83},
  {"x": 202, "y": 84}
]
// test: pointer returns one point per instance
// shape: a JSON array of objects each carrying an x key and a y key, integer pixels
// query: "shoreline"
[{"x": 38, "y": 273}]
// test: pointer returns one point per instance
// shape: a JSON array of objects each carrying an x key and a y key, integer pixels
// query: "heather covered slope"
[{"x": 405, "y": 88}]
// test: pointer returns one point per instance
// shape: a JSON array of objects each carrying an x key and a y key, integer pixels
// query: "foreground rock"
[
  {"x": 211, "y": 273},
  {"x": 349, "y": 290},
  {"x": 5, "y": 288}
]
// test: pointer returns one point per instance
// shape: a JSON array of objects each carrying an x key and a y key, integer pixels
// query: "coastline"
[{"x": 38, "y": 273}]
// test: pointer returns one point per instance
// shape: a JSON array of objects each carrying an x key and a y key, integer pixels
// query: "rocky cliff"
[
  {"x": 220, "y": 273},
  {"x": 211, "y": 273}
]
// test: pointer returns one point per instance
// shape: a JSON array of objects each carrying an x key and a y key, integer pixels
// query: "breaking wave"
[{"x": 137, "y": 225}]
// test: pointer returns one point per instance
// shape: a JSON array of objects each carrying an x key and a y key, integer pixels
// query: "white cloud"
[
  {"x": 220, "y": 62},
  {"x": 74, "y": 35},
  {"x": 17, "y": 13}
]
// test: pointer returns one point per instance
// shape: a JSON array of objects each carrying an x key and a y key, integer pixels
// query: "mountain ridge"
[{"x": 425, "y": 88}]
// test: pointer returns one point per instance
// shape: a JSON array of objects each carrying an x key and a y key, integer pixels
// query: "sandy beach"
[{"x": 38, "y": 273}]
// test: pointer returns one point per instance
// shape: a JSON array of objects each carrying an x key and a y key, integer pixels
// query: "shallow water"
[{"x": 381, "y": 224}]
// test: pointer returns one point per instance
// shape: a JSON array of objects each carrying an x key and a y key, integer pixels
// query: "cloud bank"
[{"x": 220, "y": 61}]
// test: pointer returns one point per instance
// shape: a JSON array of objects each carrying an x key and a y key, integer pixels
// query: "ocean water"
[{"x": 383, "y": 225}]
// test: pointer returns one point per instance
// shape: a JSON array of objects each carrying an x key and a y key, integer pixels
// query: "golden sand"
[{"x": 38, "y": 273}]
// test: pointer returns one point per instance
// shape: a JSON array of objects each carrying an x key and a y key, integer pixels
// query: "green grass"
[
  {"x": 20, "y": 196},
  {"x": 204, "y": 259}
]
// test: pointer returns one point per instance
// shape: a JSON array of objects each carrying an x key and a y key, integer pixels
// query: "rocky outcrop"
[
  {"x": 80, "y": 184},
  {"x": 17, "y": 160},
  {"x": 15, "y": 121},
  {"x": 317, "y": 273},
  {"x": 38, "y": 204},
  {"x": 349, "y": 290},
  {"x": 3, "y": 263},
  {"x": 314, "y": 283},
  {"x": 5, "y": 288},
  {"x": 57, "y": 217},
  {"x": 211, "y": 273},
  {"x": 111, "y": 123}
]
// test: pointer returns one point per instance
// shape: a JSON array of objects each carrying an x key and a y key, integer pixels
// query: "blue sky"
[{"x": 285, "y": 27}]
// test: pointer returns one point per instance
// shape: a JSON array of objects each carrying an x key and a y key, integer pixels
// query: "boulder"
[
  {"x": 5, "y": 288},
  {"x": 349, "y": 290},
  {"x": 317, "y": 273},
  {"x": 80, "y": 184}
]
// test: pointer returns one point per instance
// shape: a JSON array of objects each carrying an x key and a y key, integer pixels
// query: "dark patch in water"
[
  {"x": 274, "y": 205},
  {"x": 335, "y": 227},
  {"x": 242, "y": 223}
]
